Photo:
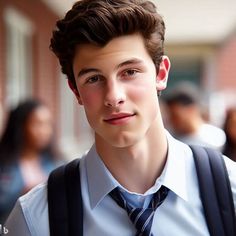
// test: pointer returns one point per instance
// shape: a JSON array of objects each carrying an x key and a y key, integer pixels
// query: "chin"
[{"x": 123, "y": 141}]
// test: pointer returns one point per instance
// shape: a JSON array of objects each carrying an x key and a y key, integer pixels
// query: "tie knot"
[{"x": 141, "y": 217}]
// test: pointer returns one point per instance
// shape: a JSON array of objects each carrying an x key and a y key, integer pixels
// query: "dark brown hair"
[{"x": 99, "y": 21}]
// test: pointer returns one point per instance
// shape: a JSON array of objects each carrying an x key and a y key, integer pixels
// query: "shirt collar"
[
  {"x": 101, "y": 181},
  {"x": 174, "y": 174}
]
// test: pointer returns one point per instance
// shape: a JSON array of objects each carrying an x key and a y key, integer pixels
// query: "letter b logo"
[{"x": 3, "y": 230}]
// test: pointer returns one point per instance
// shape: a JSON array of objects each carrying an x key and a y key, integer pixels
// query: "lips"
[{"x": 119, "y": 118}]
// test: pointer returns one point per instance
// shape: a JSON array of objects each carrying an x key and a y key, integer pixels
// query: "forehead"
[{"x": 116, "y": 51}]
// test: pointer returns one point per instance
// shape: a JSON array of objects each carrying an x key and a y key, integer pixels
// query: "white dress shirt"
[{"x": 181, "y": 214}]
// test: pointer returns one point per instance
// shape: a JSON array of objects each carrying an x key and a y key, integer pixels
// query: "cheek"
[
  {"x": 146, "y": 101},
  {"x": 144, "y": 93},
  {"x": 92, "y": 103},
  {"x": 90, "y": 98}
]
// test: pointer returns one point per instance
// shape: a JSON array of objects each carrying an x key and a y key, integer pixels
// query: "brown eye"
[
  {"x": 130, "y": 72},
  {"x": 93, "y": 79}
]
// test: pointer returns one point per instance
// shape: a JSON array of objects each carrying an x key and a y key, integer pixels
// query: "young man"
[{"x": 112, "y": 53}]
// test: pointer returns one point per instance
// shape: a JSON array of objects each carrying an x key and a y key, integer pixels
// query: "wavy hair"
[{"x": 99, "y": 21}]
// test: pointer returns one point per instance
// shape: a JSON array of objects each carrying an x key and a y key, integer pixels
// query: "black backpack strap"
[
  {"x": 57, "y": 203},
  {"x": 215, "y": 191},
  {"x": 65, "y": 201},
  {"x": 74, "y": 198},
  {"x": 224, "y": 192}
]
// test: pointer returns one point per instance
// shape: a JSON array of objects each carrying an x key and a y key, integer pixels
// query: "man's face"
[{"x": 117, "y": 86}]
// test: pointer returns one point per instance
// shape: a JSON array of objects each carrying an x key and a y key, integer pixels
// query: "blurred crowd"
[
  {"x": 187, "y": 119},
  {"x": 27, "y": 151}
]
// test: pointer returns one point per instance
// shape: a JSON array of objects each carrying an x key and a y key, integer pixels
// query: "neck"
[
  {"x": 136, "y": 167},
  {"x": 29, "y": 153}
]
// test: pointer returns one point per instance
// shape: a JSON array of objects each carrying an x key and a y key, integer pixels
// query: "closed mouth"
[{"x": 119, "y": 116}]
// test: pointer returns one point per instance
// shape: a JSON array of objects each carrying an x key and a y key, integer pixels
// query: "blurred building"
[
  {"x": 200, "y": 41},
  {"x": 28, "y": 68}
]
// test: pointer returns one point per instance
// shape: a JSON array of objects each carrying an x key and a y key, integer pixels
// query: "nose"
[{"x": 115, "y": 94}]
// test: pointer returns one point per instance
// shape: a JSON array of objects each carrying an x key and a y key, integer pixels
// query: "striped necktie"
[{"x": 141, "y": 217}]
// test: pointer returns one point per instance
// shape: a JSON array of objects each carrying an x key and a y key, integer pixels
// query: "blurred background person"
[
  {"x": 186, "y": 120},
  {"x": 27, "y": 154},
  {"x": 230, "y": 131}
]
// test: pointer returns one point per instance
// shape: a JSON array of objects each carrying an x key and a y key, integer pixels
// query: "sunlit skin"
[{"x": 117, "y": 85}]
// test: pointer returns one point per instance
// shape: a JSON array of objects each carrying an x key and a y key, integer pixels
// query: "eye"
[
  {"x": 93, "y": 79},
  {"x": 130, "y": 72}
]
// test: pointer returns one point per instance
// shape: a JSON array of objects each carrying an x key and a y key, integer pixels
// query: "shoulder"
[
  {"x": 212, "y": 128},
  {"x": 37, "y": 196},
  {"x": 213, "y": 136},
  {"x": 213, "y": 132},
  {"x": 34, "y": 210}
]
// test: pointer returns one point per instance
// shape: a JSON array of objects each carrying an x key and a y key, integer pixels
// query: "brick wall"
[
  {"x": 45, "y": 65},
  {"x": 226, "y": 65}
]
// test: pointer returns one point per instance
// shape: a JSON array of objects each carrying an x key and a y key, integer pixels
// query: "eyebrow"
[
  {"x": 87, "y": 70},
  {"x": 125, "y": 63},
  {"x": 128, "y": 62}
]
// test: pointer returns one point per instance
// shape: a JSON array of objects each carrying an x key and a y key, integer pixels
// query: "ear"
[
  {"x": 75, "y": 91},
  {"x": 162, "y": 77}
]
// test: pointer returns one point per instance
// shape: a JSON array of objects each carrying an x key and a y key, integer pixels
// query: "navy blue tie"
[{"x": 141, "y": 217}]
